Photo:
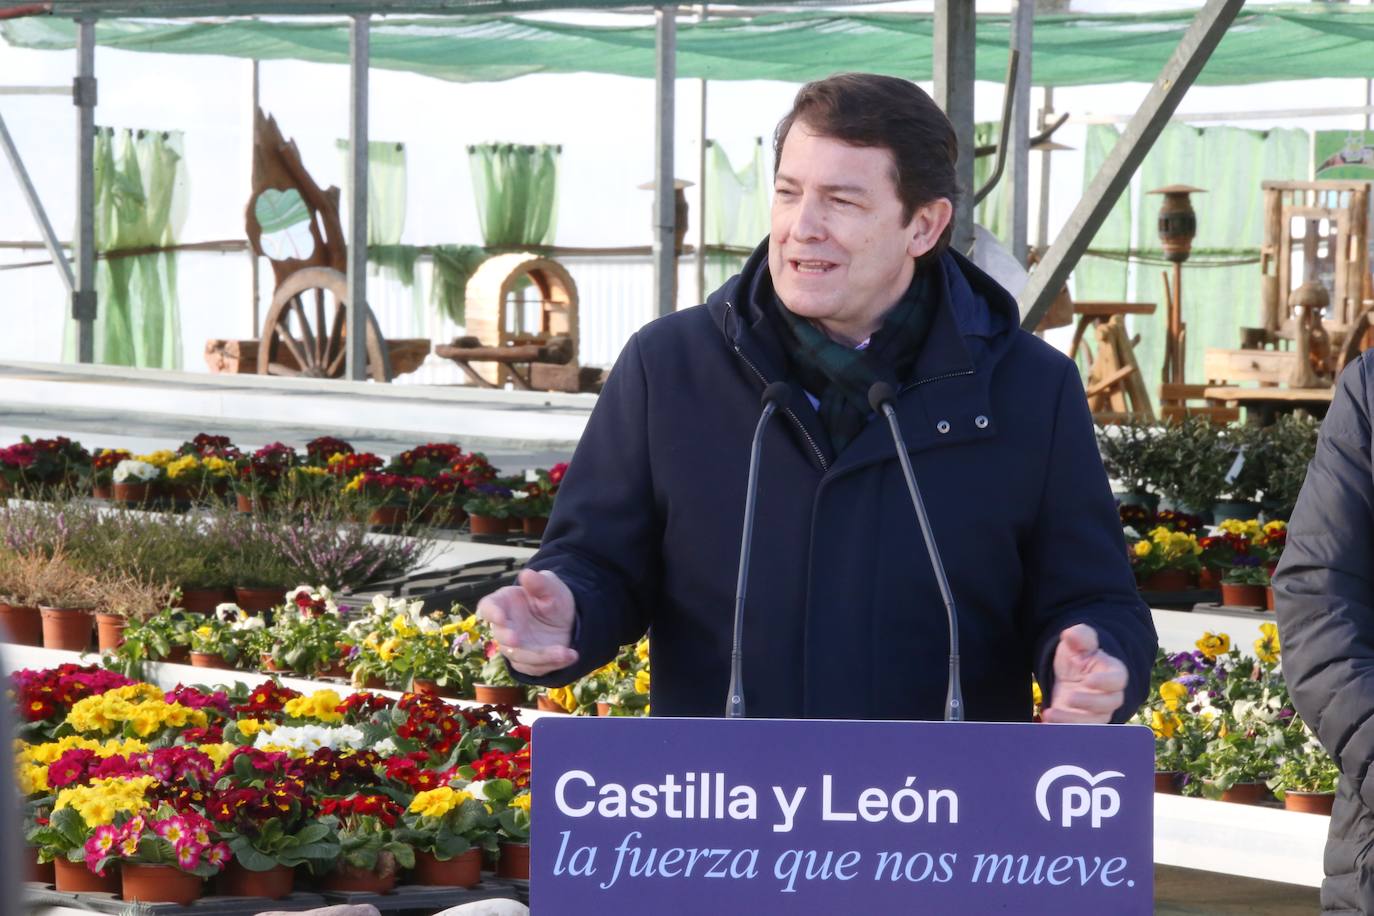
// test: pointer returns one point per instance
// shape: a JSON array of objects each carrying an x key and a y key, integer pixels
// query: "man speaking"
[{"x": 854, "y": 286}]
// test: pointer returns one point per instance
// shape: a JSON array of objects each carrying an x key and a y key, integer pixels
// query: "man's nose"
[{"x": 809, "y": 225}]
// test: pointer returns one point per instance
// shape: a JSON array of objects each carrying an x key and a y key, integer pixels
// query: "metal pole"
[
  {"x": 40, "y": 216},
  {"x": 665, "y": 216},
  {"x": 954, "y": 49},
  {"x": 356, "y": 359},
  {"x": 1144, "y": 128},
  {"x": 252, "y": 151},
  {"x": 1368, "y": 101},
  {"x": 84, "y": 97},
  {"x": 1042, "y": 230},
  {"x": 1022, "y": 26}
]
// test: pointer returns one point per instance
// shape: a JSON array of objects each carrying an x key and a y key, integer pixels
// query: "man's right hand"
[{"x": 532, "y": 622}]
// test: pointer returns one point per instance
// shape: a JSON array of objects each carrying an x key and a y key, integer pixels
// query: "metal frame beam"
[
  {"x": 40, "y": 216},
  {"x": 84, "y": 97},
  {"x": 1144, "y": 128},
  {"x": 355, "y": 366},
  {"x": 1022, "y": 26},
  {"x": 953, "y": 69},
  {"x": 665, "y": 197}
]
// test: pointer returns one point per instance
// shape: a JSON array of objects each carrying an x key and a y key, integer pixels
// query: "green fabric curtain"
[
  {"x": 994, "y": 213},
  {"x": 386, "y": 189},
  {"x": 737, "y": 204},
  {"x": 1220, "y": 296},
  {"x": 139, "y": 203},
  {"x": 517, "y": 192},
  {"x": 1266, "y": 43},
  {"x": 453, "y": 266}
]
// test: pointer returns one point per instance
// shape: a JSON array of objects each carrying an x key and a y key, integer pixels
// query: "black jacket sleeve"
[
  {"x": 1077, "y": 570},
  {"x": 1324, "y": 585},
  {"x": 605, "y": 532}
]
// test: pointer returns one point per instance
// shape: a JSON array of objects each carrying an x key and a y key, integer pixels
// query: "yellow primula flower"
[
  {"x": 438, "y": 802},
  {"x": 387, "y": 650},
  {"x": 219, "y": 467},
  {"x": 1214, "y": 644},
  {"x": 32, "y": 778},
  {"x": 642, "y": 650},
  {"x": 1143, "y": 548},
  {"x": 319, "y": 705},
  {"x": 160, "y": 458},
  {"x": 563, "y": 696},
  {"x": 641, "y": 682},
  {"x": 449, "y": 629},
  {"x": 1037, "y": 696},
  {"x": 521, "y": 801},
  {"x": 1173, "y": 694},
  {"x": 354, "y": 485},
  {"x": 250, "y": 727},
  {"x": 403, "y": 628},
  {"x": 337, "y": 458},
  {"x": 218, "y": 753},
  {"x": 1267, "y": 646},
  {"x": 180, "y": 466}
]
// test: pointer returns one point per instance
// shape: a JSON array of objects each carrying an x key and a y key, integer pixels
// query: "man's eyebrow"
[{"x": 827, "y": 188}]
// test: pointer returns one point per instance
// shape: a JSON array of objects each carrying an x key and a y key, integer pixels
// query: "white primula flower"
[
  {"x": 518, "y": 494},
  {"x": 478, "y": 788},
  {"x": 131, "y": 470},
  {"x": 249, "y": 623},
  {"x": 386, "y": 747},
  {"x": 311, "y": 738},
  {"x": 228, "y": 612}
]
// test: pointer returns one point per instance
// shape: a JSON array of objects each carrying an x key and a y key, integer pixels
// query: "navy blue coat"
[{"x": 844, "y": 618}]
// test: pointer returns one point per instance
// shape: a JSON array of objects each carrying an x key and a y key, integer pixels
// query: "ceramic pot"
[
  {"x": 535, "y": 526},
  {"x": 136, "y": 494},
  {"x": 499, "y": 696},
  {"x": 209, "y": 660},
  {"x": 204, "y": 600},
  {"x": 348, "y": 878},
  {"x": 487, "y": 525},
  {"x": 514, "y": 861},
  {"x": 274, "y": 884},
  {"x": 1168, "y": 580},
  {"x": 109, "y": 630},
  {"x": 66, "y": 628},
  {"x": 389, "y": 516},
  {"x": 1167, "y": 782},
  {"x": 463, "y": 870},
  {"x": 1242, "y": 595},
  {"x": 1309, "y": 802},
  {"x": 21, "y": 626},
  {"x": 160, "y": 884},
  {"x": 544, "y": 704},
  {"x": 1246, "y": 793}
]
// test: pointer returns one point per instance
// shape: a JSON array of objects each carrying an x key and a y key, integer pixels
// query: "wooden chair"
[{"x": 1115, "y": 389}]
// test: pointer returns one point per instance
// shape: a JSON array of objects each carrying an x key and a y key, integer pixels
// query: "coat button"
[
  {"x": 942, "y": 426},
  {"x": 981, "y": 422}
]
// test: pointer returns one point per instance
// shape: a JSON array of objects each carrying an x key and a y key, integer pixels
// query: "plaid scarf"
[{"x": 841, "y": 375}]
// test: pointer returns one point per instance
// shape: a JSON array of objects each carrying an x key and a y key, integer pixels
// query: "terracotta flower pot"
[
  {"x": 274, "y": 884},
  {"x": 270, "y": 664},
  {"x": 109, "y": 630},
  {"x": 389, "y": 516},
  {"x": 514, "y": 861},
  {"x": 1168, "y": 580},
  {"x": 426, "y": 687},
  {"x": 209, "y": 660},
  {"x": 21, "y": 626},
  {"x": 102, "y": 491},
  {"x": 487, "y": 525},
  {"x": 65, "y": 628},
  {"x": 1269, "y": 598},
  {"x": 76, "y": 878},
  {"x": 180, "y": 655},
  {"x": 204, "y": 600},
  {"x": 534, "y": 527},
  {"x": 374, "y": 682},
  {"x": 1309, "y": 802},
  {"x": 1209, "y": 579},
  {"x": 499, "y": 696},
  {"x": 451, "y": 517},
  {"x": 1246, "y": 793},
  {"x": 544, "y": 704},
  {"x": 603, "y": 709},
  {"x": 463, "y": 870},
  {"x": 160, "y": 884},
  {"x": 256, "y": 600},
  {"x": 1167, "y": 782},
  {"x": 348, "y": 878},
  {"x": 1242, "y": 595},
  {"x": 249, "y": 504},
  {"x": 133, "y": 493},
  {"x": 35, "y": 871}
]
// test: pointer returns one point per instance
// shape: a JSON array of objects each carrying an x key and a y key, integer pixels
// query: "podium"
[{"x": 763, "y": 816}]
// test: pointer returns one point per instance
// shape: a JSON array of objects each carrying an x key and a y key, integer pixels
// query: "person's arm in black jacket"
[
  {"x": 1076, "y": 567},
  {"x": 604, "y": 533},
  {"x": 1324, "y": 585}
]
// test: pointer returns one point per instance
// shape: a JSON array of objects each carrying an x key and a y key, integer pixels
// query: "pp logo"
[{"x": 1082, "y": 798}]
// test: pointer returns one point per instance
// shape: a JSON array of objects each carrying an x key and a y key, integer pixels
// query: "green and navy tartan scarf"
[{"x": 840, "y": 376}]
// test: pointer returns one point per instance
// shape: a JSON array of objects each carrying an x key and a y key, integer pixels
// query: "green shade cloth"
[
  {"x": 386, "y": 190},
  {"x": 139, "y": 203},
  {"x": 1265, "y": 43},
  {"x": 737, "y": 203},
  {"x": 517, "y": 192},
  {"x": 1219, "y": 296},
  {"x": 453, "y": 266}
]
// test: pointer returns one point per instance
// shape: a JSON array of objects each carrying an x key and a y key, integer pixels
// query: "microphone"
[
  {"x": 775, "y": 394},
  {"x": 880, "y": 398}
]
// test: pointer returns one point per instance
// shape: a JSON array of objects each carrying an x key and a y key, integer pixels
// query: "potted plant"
[
  {"x": 1195, "y": 459},
  {"x": 306, "y": 635},
  {"x": 1166, "y": 560},
  {"x": 629, "y": 694},
  {"x": 65, "y": 596},
  {"x": 1244, "y": 582},
  {"x": 260, "y": 476},
  {"x": 1132, "y": 457},
  {"x": 512, "y": 806},
  {"x": 1306, "y": 778},
  {"x": 320, "y": 451},
  {"x": 489, "y": 509},
  {"x": 20, "y": 621},
  {"x": 227, "y": 638},
  {"x": 125, "y": 596},
  {"x": 82, "y": 826},
  {"x": 102, "y": 471},
  {"x": 370, "y": 852},
  {"x": 136, "y": 481},
  {"x": 163, "y": 636},
  {"x": 448, "y": 828},
  {"x": 389, "y": 497},
  {"x": 164, "y": 857},
  {"x": 268, "y": 819}
]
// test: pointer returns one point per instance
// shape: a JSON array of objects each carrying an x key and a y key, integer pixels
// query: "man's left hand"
[{"x": 1089, "y": 684}]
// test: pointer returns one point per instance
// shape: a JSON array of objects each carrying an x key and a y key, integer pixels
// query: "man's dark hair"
[{"x": 865, "y": 109}]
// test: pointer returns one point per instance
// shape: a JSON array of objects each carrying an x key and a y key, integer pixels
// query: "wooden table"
[{"x": 1268, "y": 403}]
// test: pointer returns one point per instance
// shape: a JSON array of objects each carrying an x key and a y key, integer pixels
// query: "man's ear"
[{"x": 927, "y": 224}]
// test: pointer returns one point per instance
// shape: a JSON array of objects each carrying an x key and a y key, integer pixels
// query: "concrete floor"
[{"x": 1187, "y": 892}]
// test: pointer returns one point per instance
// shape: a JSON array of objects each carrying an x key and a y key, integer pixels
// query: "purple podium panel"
[{"x": 764, "y": 816}]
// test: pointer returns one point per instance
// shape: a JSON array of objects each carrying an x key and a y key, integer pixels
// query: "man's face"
[{"x": 839, "y": 251}]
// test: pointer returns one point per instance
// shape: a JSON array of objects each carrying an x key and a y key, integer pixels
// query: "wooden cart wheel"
[{"x": 306, "y": 337}]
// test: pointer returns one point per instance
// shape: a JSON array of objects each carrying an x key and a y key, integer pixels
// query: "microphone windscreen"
[
  {"x": 879, "y": 394},
  {"x": 777, "y": 394}
]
